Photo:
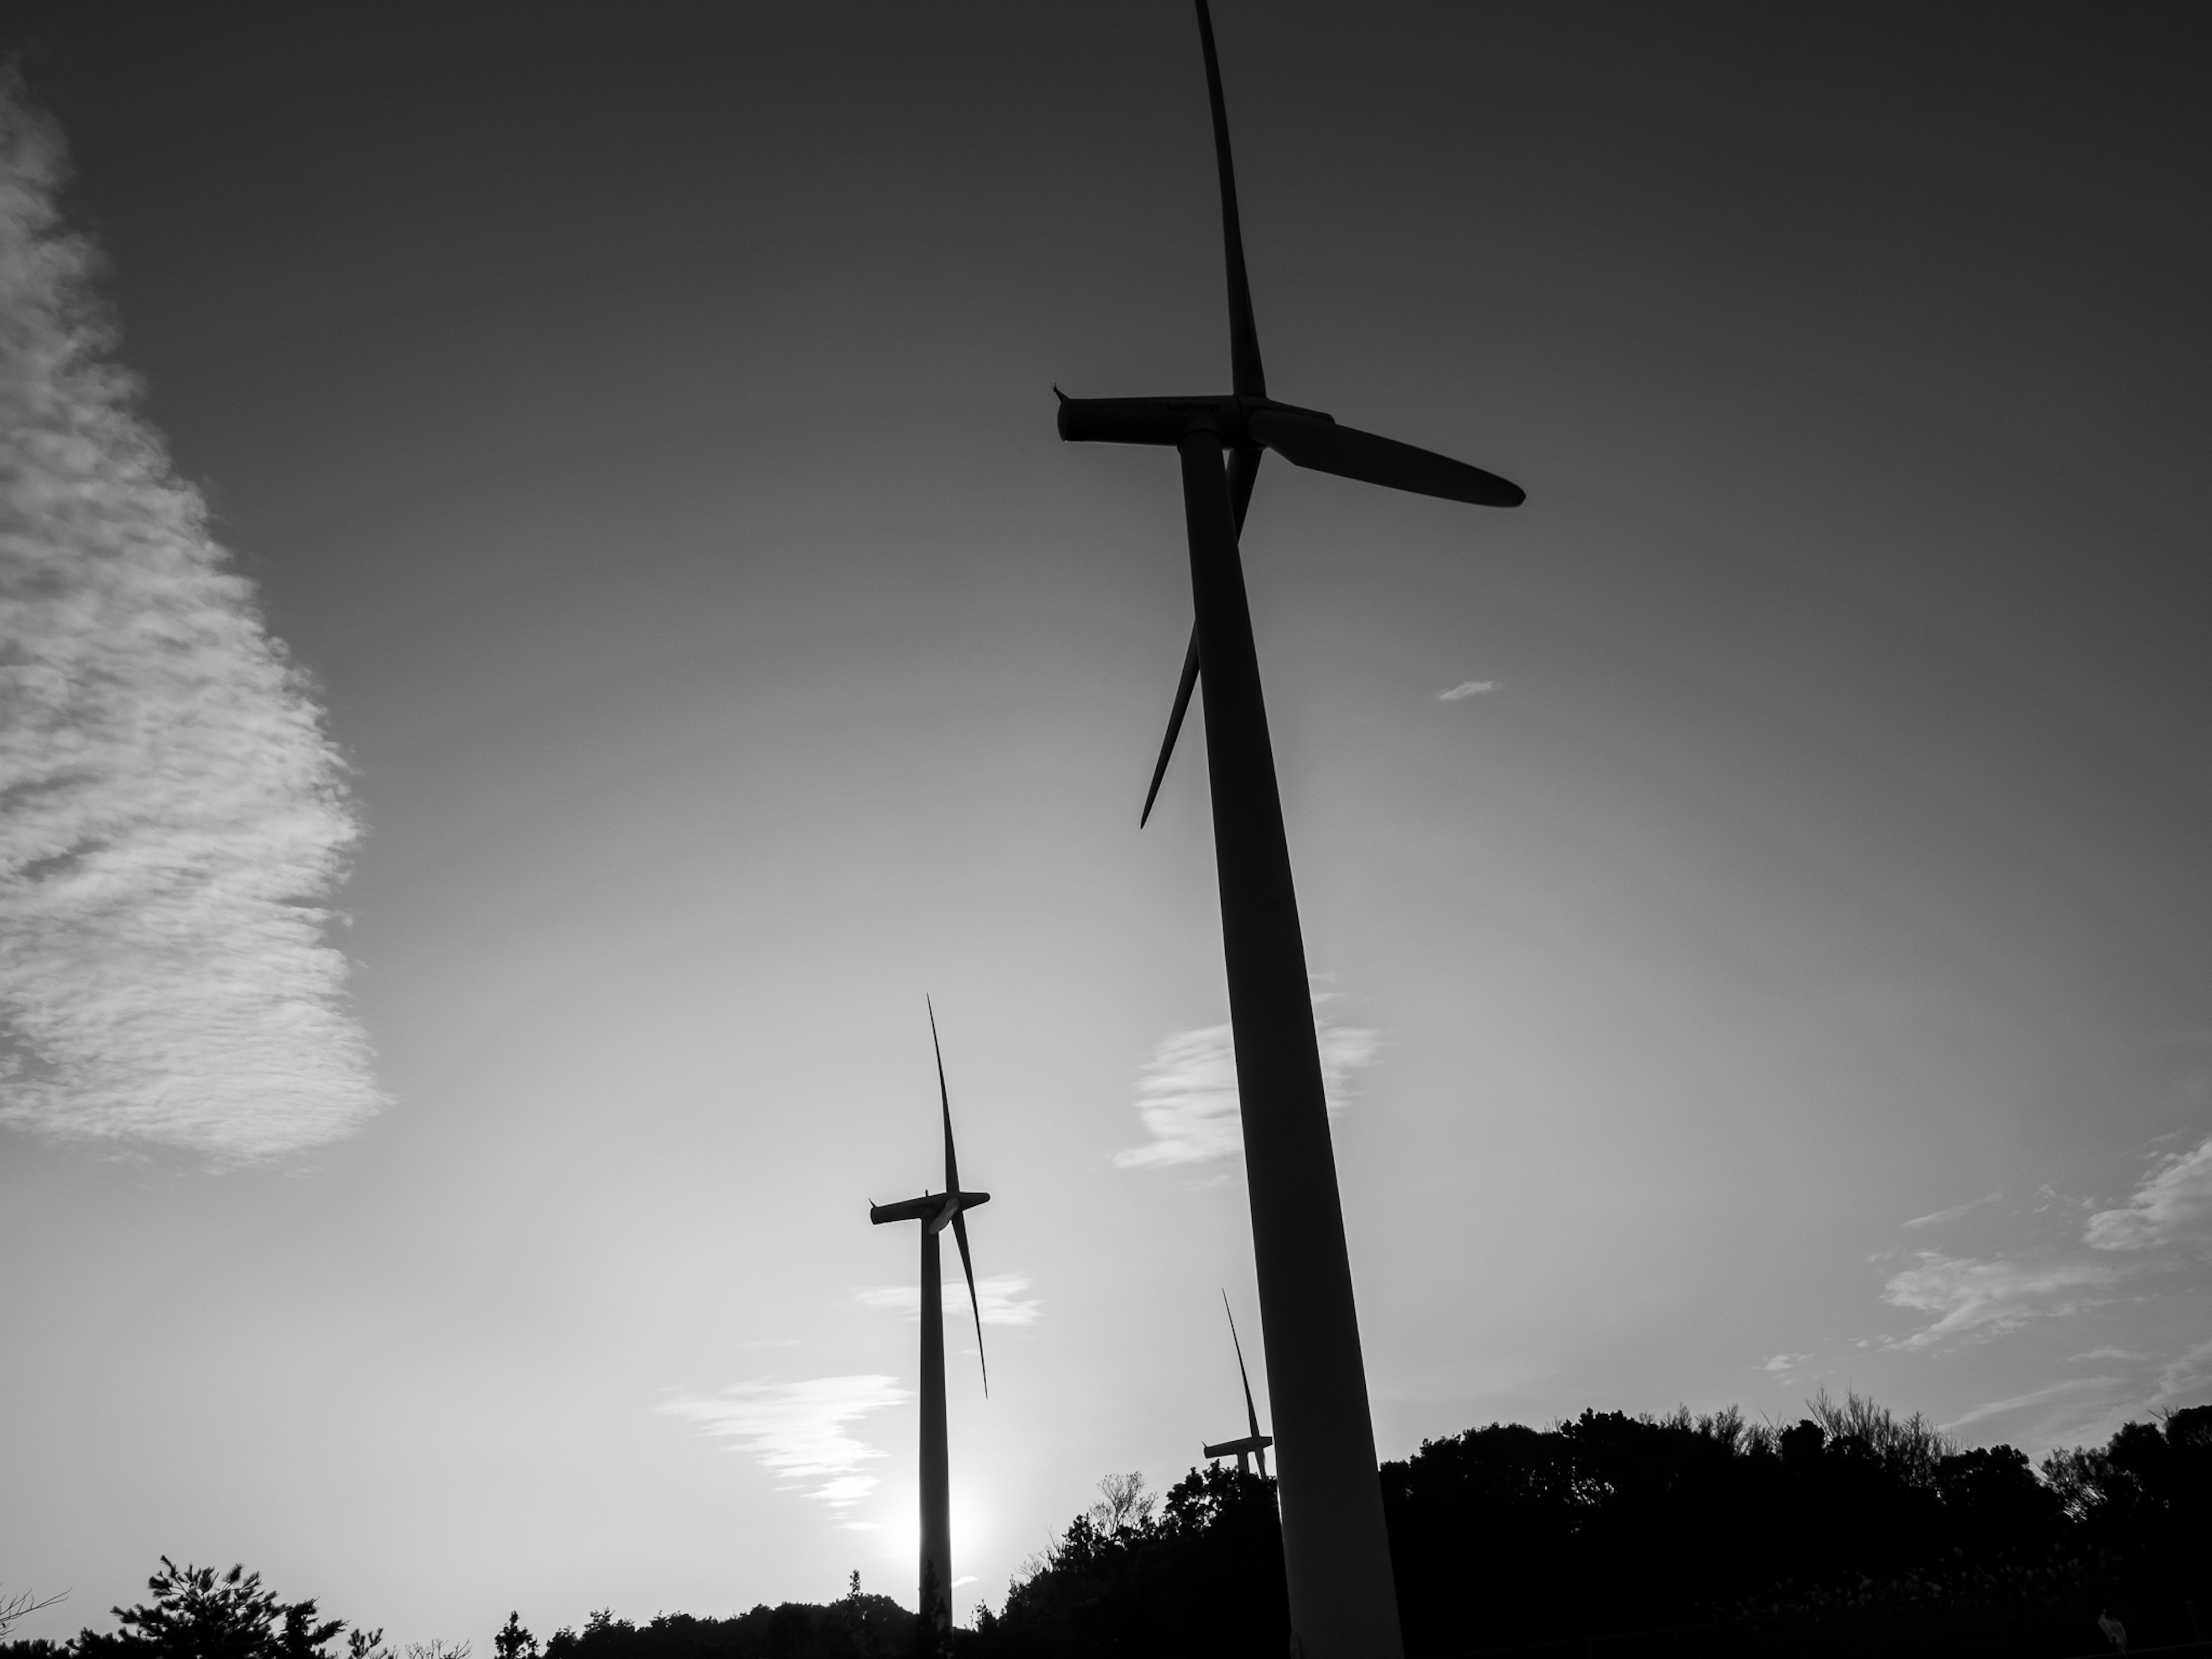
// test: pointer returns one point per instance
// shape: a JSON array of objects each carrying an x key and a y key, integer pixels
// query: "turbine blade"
[
  {"x": 1245, "y": 374},
  {"x": 1243, "y": 473},
  {"x": 1174, "y": 725},
  {"x": 1325, "y": 446},
  {"x": 967, "y": 1266},
  {"x": 951, "y": 1164},
  {"x": 1251, "y": 1412}
]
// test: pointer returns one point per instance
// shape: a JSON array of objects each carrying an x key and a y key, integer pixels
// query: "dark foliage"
[
  {"x": 856, "y": 1626},
  {"x": 2144, "y": 1502},
  {"x": 197, "y": 1613},
  {"x": 1611, "y": 1524},
  {"x": 1204, "y": 1574},
  {"x": 1850, "y": 1533}
]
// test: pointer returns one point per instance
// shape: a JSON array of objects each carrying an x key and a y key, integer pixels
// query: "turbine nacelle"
[
  {"x": 1248, "y": 1444},
  {"x": 1304, "y": 437},
  {"x": 935, "y": 1209},
  {"x": 1164, "y": 421}
]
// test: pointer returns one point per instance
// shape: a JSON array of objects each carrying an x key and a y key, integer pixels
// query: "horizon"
[{"x": 646, "y": 636}]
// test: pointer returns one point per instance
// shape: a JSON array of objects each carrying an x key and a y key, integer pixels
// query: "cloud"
[
  {"x": 173, "y": 817},
  {"x": 1467, "y": 689},
  {"x": 1187, "y": 1092},
  {"x": 1782, "y": 1364},
  {"x": 998, "y": 1298},
  {"x": 2172, "y": 1205},
  {"x": 2185, "y": 1379},
  {"x": 2188, "y": 1377},
  {"x": 1985, "y": 1296},
  {"x": 2071, "y": 1388},
  {"x": 1939, "y": 1217},
  {"x": 799, "y": 1431}
]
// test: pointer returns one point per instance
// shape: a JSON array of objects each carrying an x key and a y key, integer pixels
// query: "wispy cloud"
[
  {"x": 1187, "y": 1092},
  {"x": 2173, "y": 1207},
  {"x": 2070, "y": 1390},
  {"x": 1467, "y": 689},
  {"x": 1938, "y": 1218},
  {"x": 800, "y": 1432},
  {"x": 2187, "y": 1377},
  {"x": 173, "y": 814},
  {"x": 1783, "y": 1365},
  {"x": 999, "y": 1298},
  {"x": 1985, "y": 1296}
]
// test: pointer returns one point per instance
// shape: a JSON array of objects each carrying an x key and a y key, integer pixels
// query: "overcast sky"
[{"x": 616, "y": 627}]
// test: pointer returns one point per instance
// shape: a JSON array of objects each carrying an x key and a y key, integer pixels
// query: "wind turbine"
[
  {"x": 1336, "y": 1552},
  {"x": 1256, "y": 1442},
  {"x": 936, "y": 1211}
]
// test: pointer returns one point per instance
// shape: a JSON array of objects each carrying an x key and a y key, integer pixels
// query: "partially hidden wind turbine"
[
  {"x": 1254, "y": 1443},
  {"x": 1335, "y": 1551},
  {"x": 936, "y": 1211}
]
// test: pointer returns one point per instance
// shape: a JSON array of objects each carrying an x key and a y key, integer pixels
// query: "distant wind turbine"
[
  {"x": 1256, "y": 1444},
  {"x": 1336, "y": 1554},
  {"x": 935, "y": 1211}
]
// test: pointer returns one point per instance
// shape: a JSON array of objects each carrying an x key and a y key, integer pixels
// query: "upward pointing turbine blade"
[
  {"x": 1245, "y": 373},
  {"x": 944, "y": 1099},
  {"x": 952, "y": 1195},
  {"x": 1246, "y": 376}
]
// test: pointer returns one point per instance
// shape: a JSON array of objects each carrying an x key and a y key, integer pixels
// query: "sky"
[{"x": 545, "y": 612}]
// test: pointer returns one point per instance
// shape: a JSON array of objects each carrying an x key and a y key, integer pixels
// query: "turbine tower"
[
  {"x": 1336, "y": 1554},
  {"x": 935, "y": 1211},
  {"x": 1254, "y": 1443}
]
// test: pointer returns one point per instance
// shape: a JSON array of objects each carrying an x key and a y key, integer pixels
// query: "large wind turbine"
[
  {"x": 1336, "y": 1554},
  {"x": 935, "y": 1211},
  {"x": 1254, "y": 1443}
]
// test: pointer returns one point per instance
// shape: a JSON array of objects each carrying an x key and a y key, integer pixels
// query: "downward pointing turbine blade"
[
  {"x": 1325, "y": 446},
  {"x": 1174, "y": 725},
  {"x": 1245, "y": 373},
  {"x": 1251, "y": 1412},
  {"x": 967, "y": 1267},
  {"x": 1243, "y": 473}
]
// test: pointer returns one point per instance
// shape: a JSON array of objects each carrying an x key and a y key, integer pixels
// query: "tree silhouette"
[{"x": 195, "y": 1615}]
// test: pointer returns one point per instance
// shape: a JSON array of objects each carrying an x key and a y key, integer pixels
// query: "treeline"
[
  {"x": 196, "y": 1614},
  {"x": 857, "y": 1626},
  {"x": 1851, "y": 1532}
]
